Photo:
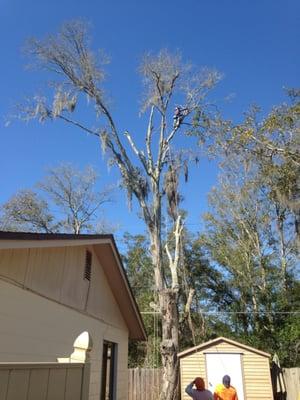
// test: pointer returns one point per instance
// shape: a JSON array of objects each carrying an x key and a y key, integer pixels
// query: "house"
[
  {"x": 54, "y": 287},
  {"x": 248, "y": 368}
]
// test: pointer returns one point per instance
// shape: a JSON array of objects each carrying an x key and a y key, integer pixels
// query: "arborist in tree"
[
  {"x": 179, "y": 115},
  {"x": 200, "y": 393}
]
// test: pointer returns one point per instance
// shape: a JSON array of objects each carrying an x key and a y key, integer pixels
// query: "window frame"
[{"x": 112, "y": 370}]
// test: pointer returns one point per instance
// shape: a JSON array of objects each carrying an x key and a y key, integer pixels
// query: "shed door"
[{"x": 220, "y": 364}]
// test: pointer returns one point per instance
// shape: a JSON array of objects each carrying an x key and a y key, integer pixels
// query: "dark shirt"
[{"x": 198, "y": 394}]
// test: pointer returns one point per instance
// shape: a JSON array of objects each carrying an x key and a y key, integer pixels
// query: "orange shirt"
[{"x": 224, "y": 393}]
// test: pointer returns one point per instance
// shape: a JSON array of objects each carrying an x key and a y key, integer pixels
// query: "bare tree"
[
  {"x": 27, "y": 211},
  {"x": 79, "y": 71},
  {"x": 73, "y": 192},
  {"x": 71, "y": 203}
]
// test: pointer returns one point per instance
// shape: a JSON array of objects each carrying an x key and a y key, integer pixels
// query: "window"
[
  {"x": 88, "y": 265},
  {"x": 109, "y": 364}
]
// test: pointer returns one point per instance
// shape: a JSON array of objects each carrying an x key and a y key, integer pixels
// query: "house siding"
[
  {"x": 58, "y": 274},
  {"x": 45, "y": 304}
]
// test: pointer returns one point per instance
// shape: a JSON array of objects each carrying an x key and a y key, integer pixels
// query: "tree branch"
[
  {"x": 149, "y": 141},
  {"x": 174, "y": 262},
  {"x": 78, "y": 124},
  {"x": 138, "y": 153}
]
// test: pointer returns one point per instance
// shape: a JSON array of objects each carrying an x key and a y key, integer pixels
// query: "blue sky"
[{"x": 255, "y": 44}]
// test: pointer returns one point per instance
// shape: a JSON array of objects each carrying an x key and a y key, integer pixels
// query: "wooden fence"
[
  {"x": 44, "y": 381},
  {"x": 292, "y": 383},
  {"x": 144, "y": 384}
]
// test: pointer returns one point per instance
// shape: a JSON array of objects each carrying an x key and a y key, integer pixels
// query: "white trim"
[
  {"x": 221, "y": 339},
  {"x": 121, "y": 270}
]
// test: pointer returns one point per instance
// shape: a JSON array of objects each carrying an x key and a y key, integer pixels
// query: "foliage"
[
  {"x": 211, "y": 292},
  {"x": 252, "y": 231},
  {"x": 138, "y": 264}
]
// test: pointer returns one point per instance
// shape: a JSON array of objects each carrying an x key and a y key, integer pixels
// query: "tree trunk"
[
  {"x": 169, "y": 345},
  {"x": 255, "y": 310},
  {"x": 282, "y": 247},
  {"x": 168, "y": 305},
  {"x": 189, "y": 316}
]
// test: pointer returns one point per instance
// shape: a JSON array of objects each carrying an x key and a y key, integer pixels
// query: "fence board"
[
  {"x": 18, "y": 385},
  {"x": 135, "y": 384},
  {"x": 144, "y": 383},
  {"x": 56, "y": 385},
  {"x": 151, "y": 380},
  {"x": 4, "y": 379},
  {"x": 38, "y": 384},
  {"x": 73, "y": 384},
  {"x": 292, "y": 382},
  {"x": 129, "y": 384}
]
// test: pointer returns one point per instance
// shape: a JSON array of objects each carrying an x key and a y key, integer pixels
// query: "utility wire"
[{"x": 232, "y": 312}]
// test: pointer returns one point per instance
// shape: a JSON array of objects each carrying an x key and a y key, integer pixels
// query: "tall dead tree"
[{"x": 80, "y": 71}]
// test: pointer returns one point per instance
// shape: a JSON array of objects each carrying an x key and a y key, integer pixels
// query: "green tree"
[
  {"x": 208, "y": 286},
  {"x": 272, "y": 144},
  {"x": 139, "y": 270},
  {"x": 242, "y": 236}
]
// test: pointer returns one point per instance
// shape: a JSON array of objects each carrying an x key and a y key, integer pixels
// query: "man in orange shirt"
[{"x": 225, "y": 391}]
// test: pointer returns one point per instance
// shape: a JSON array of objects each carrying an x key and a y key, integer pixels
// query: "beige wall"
[
  {"x": 256, "y": 370},
  {"x": 45, "y": 304},
  {"x": 57, "y": 273}
]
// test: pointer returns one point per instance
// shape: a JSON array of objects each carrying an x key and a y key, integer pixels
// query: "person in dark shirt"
[{"x": 200, "y": 393}]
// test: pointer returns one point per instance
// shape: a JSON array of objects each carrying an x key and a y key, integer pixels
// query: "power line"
[{"x": 232, "y": 312}]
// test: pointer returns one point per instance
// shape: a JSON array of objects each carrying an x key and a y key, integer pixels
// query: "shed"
[{"x": 248, "y": 368}]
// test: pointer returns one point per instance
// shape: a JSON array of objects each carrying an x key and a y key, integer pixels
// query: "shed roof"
[
  {"x": 218, "y": 340},
  {"x": 109, "y": 257}
]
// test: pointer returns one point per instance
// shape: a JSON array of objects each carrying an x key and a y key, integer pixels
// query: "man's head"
[
  {"x": 199, "y": 383},
  {"x": 226, "y": 381}
]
